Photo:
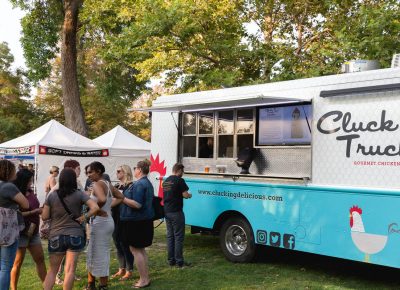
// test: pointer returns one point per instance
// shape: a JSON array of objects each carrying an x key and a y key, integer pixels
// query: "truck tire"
[{"x": 237, "y": 240}]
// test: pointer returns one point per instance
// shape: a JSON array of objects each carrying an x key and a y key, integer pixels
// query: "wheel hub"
[{"x": 236, "y": 240}]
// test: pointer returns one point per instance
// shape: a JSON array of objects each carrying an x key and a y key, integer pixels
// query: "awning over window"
[{"x": 217, "y": 104}]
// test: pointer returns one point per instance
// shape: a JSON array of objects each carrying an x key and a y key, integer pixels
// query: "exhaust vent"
[
  {"x": 359, "y": 65},
  {"x": 396, "y": 61}
]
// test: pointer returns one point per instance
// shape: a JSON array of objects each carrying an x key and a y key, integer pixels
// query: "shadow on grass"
[{"x": 341, "y": 268}]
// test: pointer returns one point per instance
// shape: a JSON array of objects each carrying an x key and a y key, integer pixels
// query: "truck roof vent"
[
  {"x": 396, "y": 61},
  {"x": 359, "y": 65}
]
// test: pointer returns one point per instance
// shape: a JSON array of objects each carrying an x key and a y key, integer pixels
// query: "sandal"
[
  {"x": 127, "y": 276},
  {"x": 118, "y": 274},
  {"x": 141, "y": 286}
]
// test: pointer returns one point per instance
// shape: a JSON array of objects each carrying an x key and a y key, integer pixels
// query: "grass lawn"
[{"x": 273, "y": 269}]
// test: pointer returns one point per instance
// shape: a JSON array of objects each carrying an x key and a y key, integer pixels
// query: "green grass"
[{"x": 273, "y": 269}]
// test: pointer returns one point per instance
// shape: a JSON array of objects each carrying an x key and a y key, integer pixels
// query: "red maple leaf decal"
[{"x": 157, "y": 166}]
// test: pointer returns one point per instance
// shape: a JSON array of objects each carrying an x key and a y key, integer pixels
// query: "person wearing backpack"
[{"x": 175, "y": 190}]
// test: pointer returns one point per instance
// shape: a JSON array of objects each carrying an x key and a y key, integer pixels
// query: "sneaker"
[
  {"x": 59, "y": 281},
  {"x": 171, "y": 264},
  {"x": 184, "y": 264}
]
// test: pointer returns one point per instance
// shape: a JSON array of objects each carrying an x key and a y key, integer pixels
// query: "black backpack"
[{"x": 158, "y": 208}]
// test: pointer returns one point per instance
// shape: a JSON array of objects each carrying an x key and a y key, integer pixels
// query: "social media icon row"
[{"x": 275, "y": 239}]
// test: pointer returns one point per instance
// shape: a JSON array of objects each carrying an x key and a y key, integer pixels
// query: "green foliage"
[
  {"x": 194, "y": 45},
  {"x": 373, "y": 31},
  {"x": 194, "y": 42},
  {"x": 41, "y": 28},
  {"x": 17, "y": 115}
]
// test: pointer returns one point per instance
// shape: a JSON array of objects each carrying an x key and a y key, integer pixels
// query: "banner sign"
[
  {"x": 63, "y": 152},
  {"x": 17, "y": 151}
]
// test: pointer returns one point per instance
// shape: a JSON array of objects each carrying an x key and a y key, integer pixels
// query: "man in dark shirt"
[{"x": 175, "y": 190}]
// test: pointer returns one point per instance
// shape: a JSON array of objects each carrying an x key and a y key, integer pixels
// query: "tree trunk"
[{"x": 73, "y": 111}]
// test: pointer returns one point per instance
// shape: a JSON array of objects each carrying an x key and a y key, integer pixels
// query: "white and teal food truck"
[{"x": 311, "y": 165}]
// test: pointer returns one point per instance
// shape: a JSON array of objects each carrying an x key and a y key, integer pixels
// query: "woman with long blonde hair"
[{"x": 124, "y": 255}]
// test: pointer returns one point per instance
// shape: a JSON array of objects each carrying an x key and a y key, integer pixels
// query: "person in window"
[
  {"x": 206, "y": 148},
  {"x": 296, "y": 126}
]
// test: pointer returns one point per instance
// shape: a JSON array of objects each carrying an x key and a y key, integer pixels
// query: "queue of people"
[{"x": 96, "y": 213}]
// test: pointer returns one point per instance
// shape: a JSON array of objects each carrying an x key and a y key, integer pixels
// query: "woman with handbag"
[
  {"x": 137, "y": 220},
  {"x": 11, "y": 199},
  {"x": 29, "y": 238},
  {"x": 67, "y": 236}
]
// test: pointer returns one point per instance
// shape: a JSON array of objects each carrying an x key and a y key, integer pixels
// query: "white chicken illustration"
[{"x": 365, "y": 242}]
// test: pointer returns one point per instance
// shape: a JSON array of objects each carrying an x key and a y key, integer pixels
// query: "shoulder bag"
[{"x": 70, "y": 213}]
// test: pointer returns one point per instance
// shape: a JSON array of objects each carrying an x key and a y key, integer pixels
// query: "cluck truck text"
[{"x": 350, "y": 132}]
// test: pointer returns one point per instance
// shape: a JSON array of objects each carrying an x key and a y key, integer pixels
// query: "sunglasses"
[
  {"x": 134, "y": 168},
  {"x": 119, "y": 171}
]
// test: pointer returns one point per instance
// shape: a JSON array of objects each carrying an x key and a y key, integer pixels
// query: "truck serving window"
[
  {"x": 206, "y": 135},
  {"x": 284, "y": 125},
  {"x": 234, "y": 131},
  {"x": 189, "y": 134},
  {"x": 244, "y": 129},
  {"x": 225, "y": 134}
]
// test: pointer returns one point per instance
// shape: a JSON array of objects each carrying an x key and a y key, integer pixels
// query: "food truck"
[{"x": 308, "y": 165}]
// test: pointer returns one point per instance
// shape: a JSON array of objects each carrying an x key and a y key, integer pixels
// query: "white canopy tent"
[
  {"x": 53, "y": 144},
  {"x": 124, "y": 148}
]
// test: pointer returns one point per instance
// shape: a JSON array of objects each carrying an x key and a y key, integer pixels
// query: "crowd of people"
[{"x": 77, "y": 217}]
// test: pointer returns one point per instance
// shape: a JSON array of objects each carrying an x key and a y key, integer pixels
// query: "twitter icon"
[{"x": 275, "y": 239}]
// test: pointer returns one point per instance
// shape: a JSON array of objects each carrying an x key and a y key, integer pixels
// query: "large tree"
[
  {"x": 106, "y": 96},
  {"x": 47, "y": 25}
]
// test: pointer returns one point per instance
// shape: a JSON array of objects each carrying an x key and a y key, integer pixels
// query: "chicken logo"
[
  {"x": 158, "y": 167},
  {"x": 365, "y": 242}
]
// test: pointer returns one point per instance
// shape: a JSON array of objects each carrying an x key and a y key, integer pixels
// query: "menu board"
[{"x": 284, "y": 125}]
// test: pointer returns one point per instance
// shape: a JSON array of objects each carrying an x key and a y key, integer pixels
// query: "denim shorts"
[{"x": 63, "y": 243}]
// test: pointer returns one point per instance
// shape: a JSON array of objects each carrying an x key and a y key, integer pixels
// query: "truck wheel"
[{"x": 237, "y": 240}]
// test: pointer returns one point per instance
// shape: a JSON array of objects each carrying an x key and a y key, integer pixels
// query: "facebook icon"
[{"x": 288, "y": 241}]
